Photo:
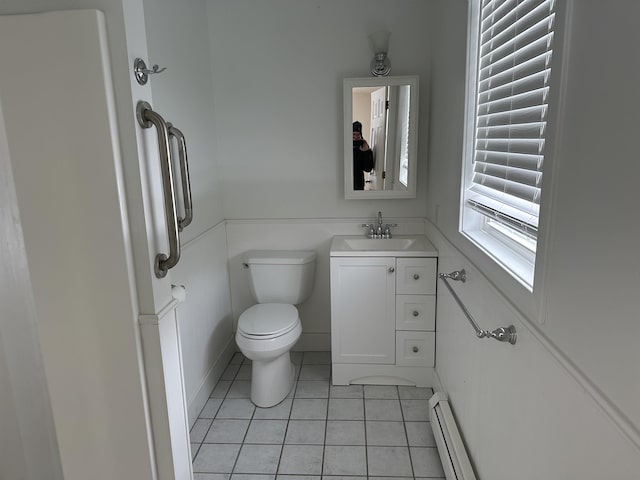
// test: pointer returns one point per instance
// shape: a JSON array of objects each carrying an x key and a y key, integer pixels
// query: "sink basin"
[
  {"x": 380, "y": 244},
  {"x": 398, "y": 246}
]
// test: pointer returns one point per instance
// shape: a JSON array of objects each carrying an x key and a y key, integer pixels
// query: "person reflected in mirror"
[{"x": 362, "y": 157}]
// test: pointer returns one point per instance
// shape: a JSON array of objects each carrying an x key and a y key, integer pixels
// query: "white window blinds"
[{"x": 512, "y": 86}]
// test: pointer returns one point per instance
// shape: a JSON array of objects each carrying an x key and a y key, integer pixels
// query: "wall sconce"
[{"x": 380, "y": 65}]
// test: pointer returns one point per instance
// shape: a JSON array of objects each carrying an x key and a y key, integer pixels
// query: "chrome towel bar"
[{"x": 502, "y": 334}]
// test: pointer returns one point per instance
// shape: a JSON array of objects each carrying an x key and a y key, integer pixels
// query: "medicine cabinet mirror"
[{"x": 380, "y": 151}]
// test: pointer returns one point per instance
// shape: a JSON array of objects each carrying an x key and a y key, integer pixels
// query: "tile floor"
[{"x": 320, "y": 431}]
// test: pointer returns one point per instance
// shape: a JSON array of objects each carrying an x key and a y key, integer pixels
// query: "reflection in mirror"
[{"x": 381, "y": 117}]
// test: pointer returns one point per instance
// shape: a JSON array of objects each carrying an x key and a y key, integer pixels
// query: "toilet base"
[{"x": 271, "y": 380}]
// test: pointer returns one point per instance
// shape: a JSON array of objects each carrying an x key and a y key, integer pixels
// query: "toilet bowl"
[{"x": 267, "y": 331}]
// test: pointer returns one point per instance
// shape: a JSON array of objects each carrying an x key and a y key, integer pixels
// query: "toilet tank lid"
[{"x": 279, "y": 257}]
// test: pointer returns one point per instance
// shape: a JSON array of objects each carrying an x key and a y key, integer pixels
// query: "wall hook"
[{"x": 141, "y": 71}]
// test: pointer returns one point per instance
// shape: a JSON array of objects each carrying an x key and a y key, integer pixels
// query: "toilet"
[{"x": 278, "y": 279}]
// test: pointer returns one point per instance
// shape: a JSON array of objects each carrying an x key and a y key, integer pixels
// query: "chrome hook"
[{"x": 141, "y": 71}]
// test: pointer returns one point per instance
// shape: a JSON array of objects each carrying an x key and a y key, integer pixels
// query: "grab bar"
[
  {"x": 146, "y": 118},
  {"x": 502, "y": 334},
  {"x": 184, "y": 174}
]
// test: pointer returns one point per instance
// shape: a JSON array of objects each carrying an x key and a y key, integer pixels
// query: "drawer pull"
[
  {"x": 415, "y": 349},
  {"x": 416, "y": 276},
  {"x": 416, "y": 313},
  {"x": 391, "y": 269}
]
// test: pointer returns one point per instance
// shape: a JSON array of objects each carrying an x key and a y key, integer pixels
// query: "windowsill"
[{"x": 517, "y": 266}]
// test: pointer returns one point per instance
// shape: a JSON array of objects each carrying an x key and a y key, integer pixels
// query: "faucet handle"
[
  {"x": 387, "y": 229},
  {"x": 370, "y": 229}
]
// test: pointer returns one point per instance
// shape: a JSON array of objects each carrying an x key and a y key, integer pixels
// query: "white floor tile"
[
  {"x": 414, "y": 393},
  {"x": 199, "y": 430},
  {"x": 266, "y": 431},
  {"x": 389, "y": 461},
  {"x": 301, "y": 460},
  {"x": 346, "y": 409},
  {"x": 382, "y": 409},
  {"x": 426, "y": 462},
  {"x": 387, "y": 392},
  {"x": 415, "y": 410},
  {"x": 240, "y": 389},
  {"x": 344, "y": 460},
  {"x": 258, "y": 459},
  {"x": 389, "y": 434},
  {"x": 221, "y": 388},
  {"x": 316, "y": 358},
  {"x": 239, "y": 408},
  {"x": 305, "y": 432},
  {"x": 277, "y": 412},
  {"x": 315, "y": 372},
  {"x": 312, "y": 389},
  {"x": 211, "y": 408},
  {"x": 346, "y": 391},
  {"x": 420, "y": 434},
  {"x": 249, "y": 476},
  {"x": 227, "y": 431},
  {"x": 309, "y": 409},
  {"x": 213, "y": 458},
  {"x": 210, "y": 476},
  {"x": 341, "y": 432}
]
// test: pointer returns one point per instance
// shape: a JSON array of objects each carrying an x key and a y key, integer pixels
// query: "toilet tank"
[{"x": 280, "y": 276}]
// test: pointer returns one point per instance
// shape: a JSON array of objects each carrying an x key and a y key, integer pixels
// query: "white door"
[
  {"x": 114, "y": 417},
  {"x": 377, "y": 142}
]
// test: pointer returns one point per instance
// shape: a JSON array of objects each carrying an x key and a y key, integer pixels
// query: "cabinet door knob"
[
  {"x": 416, "y": 313},
  {"x": 415, "y": 349},
  {"x": 416, "y": 276},
  {"x": 392, "y": 269}
]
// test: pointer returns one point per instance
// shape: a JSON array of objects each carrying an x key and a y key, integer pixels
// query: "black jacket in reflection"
[{"x": 362, "y": 162}]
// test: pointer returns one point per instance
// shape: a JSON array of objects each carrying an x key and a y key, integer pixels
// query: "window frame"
[{"x": 520, "y": 263}]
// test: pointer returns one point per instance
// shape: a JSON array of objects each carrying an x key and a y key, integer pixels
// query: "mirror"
[{"x": 380, "y": 137}]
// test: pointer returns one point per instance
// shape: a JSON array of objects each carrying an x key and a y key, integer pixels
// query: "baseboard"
[
  {"x": 313, "y": 342},
  {"x": 196, "y": 403}
]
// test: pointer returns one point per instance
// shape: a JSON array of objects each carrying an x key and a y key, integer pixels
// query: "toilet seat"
[{"x": 266, "y": 321}]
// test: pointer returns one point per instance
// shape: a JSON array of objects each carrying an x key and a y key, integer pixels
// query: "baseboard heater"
[{"x": 453, "y": 455}]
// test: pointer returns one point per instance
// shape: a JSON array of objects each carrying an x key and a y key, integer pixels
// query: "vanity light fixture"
[{"x": 380, "y": 64}]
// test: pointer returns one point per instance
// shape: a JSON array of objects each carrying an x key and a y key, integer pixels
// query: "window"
[{"x": 509, "y": 69}]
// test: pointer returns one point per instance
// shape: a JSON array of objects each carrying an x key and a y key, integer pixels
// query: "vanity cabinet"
[{"x": 383, "y": 319}]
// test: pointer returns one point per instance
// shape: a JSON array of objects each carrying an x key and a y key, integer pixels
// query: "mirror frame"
[{"x": 347, "y": 97}]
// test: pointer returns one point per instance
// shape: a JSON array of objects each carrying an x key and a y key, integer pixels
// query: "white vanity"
[{"x": 383, "y": 307}]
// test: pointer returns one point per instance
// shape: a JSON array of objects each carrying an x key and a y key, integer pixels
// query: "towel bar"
[{"x": 502, "y": 334}]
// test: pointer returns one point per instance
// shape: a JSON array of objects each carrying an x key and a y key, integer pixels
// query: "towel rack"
[{"x": 502, "y": 334}]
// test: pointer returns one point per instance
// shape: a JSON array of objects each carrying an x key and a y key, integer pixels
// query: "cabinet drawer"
[
  {"x": 415, "y": 349},
  {"x": 416, "y": 312},
  {"x": 416, "y": 276}
]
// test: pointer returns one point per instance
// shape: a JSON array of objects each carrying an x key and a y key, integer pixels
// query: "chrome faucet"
[{"x": 379, "y": 230}]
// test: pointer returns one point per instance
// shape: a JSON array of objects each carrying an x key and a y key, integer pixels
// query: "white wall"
[
  {"x": 178, "y": 39},
  {"x": 568, "y": 391},
  {"x": 177, "y": 36},
  {"x": 277, "y": 91},
  {"x": 206, "y": 329}
]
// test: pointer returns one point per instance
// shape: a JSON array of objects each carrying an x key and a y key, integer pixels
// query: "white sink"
[
  {"x": 380, "y": 244},
  {"x": 398, "y": 246}
]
